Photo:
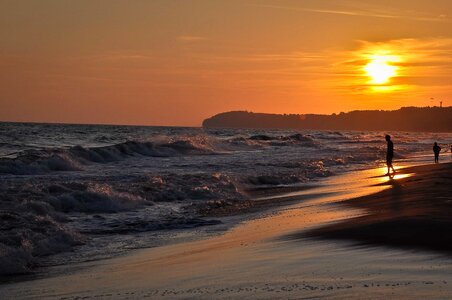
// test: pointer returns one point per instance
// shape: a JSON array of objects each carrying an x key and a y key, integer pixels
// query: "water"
[{"x": 90, "y": 191}]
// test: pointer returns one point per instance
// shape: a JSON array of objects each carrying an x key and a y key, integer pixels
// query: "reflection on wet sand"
[{"x": 413, "y": 214}]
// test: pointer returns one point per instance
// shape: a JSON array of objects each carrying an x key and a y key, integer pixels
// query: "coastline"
[{"x": 268, "y": 257}]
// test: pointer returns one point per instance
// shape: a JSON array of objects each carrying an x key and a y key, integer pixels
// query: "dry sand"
[{"x": 312, "y": 249}]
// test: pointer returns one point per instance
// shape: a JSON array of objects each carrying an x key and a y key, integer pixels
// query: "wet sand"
[
  {"x": 285, "y": 254},
  {"x": 415, "y": 213}
]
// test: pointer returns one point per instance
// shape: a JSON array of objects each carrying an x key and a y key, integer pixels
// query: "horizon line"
[{"x": 200, "y": 126}]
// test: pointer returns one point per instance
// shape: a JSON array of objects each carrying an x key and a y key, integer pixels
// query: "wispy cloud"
[
  {"x": 360, "y": 13},
  {"x": 115, "y": 56},
  {"x": 190, "y": 38},
  {"x": 297, "y": 56}
]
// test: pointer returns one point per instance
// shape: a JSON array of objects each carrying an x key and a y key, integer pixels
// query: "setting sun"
[{"x": 380, "y": 69}]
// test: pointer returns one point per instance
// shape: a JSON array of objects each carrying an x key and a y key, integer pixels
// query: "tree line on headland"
[{"x": 427, "y": 119}]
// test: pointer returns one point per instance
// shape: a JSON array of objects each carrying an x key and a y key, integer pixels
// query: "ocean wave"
[
  {"x": 40, "y": 162},
  {"x": 77, "y": 157},
  {"x": 96, "y": 198},
  {"x": 49, "y": 215},
  {"x": 298, "y": 172},
  {"x": 74, "y": 158},
  {"x": 298, "y": 137},
  {"x": 263, "y": 140},
  {"x": 26, "y": 236}
]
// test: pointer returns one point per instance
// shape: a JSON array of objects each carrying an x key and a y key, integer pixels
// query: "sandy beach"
[{"x": 357, "y": 235}]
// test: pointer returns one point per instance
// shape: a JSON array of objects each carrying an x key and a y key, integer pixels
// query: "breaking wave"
[
  {"x": 45, "y": 217},
  {"x": 26, "y": 236},
  {"x": 74, "y": 158}
]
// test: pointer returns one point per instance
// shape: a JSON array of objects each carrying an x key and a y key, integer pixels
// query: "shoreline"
[{"x": 274, "y": 243}]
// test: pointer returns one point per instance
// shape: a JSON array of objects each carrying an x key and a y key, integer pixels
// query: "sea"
[{"x": 75, "y": 193}]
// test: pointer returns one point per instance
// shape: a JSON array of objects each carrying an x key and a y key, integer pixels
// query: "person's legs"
[{"x": 389, "y": 164}]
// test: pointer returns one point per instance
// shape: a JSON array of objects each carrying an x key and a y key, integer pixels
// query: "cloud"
[
  {"x": 296, "y": 56},
  {"x": 361, "y": 13},
  {"x": 115, "y": 56},
  {"x": 190, "y": 38}
]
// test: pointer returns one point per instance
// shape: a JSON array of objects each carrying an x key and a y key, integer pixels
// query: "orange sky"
[{"x": 178, "y": 62}]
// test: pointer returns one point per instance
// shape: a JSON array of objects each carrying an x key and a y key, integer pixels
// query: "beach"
[
  {"x": 414, "y": 213},
  {"x": 328, "y": 245}
]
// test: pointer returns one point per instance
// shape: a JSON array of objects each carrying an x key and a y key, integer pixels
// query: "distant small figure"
[
  {"x": 389, "y": 154},
  {"x": 436, "y": 150}
]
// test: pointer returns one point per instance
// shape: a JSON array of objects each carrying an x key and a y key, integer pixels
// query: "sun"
[{"x": 380, "y": 68}]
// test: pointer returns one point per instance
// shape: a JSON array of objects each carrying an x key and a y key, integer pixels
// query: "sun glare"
[{"x": 380, "y": 68}]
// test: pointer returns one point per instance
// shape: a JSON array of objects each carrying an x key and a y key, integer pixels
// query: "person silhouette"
[
  {"x": 389, "y": 154},
  {"x": 436, "y": 150}
]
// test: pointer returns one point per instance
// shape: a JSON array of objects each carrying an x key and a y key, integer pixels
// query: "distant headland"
[{"x": 427, "y": 119}]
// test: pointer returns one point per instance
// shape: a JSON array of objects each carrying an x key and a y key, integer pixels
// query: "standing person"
[
  {"x": 436, "y": 150},
  {"x": 389, "y": 154}
]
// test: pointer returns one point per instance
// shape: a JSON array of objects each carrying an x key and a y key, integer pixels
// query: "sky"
[{"x": 178, "y": 62}]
